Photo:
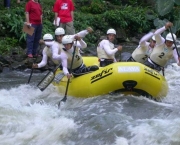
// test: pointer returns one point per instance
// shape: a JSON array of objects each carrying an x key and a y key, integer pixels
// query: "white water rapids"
[{"x": 31, "y": 117}]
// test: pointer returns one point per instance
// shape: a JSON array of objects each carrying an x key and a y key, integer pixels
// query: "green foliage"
[
  {"x": 48, "y": 27},
  {"x": 82, "y": 21},
  {"x": 6, "y": 44},
  {"x": 169, "y": 11},
  {"x": 95, "y": 7},
  {"x": 177, "y": 2},
  {"x": 129, "y": 18},
  {"x": 116, "y": 2},
  {"x": 164, "y": 6},
  {"x": 133, "y": 16},
  {"x": 12, "y": 21}
]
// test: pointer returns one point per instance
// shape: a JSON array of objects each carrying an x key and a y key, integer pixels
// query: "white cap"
[
  {"x": 59, "y": 31},
  {"x": 47, "y": 37},
  {"x": 67, "y": 39},
  {"x": 111, "y": 31},
  {"x": 153, "y": 38},
  {"x": 169, "y": 37}
]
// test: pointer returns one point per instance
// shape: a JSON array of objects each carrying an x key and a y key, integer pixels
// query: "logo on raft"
[
  {"x": 152, "y": 73},
  {"x": 104, "y": 73}
]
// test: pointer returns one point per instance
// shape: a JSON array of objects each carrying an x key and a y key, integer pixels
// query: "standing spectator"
[
  {"x": 7, "y": 3},
  {"x": 33, "y": 12},
  {"x": 64, "y": 11}
]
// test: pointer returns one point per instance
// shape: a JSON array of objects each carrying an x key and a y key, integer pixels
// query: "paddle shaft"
[
  {"x": 32, "y": 71},
  {"x": 174, "y": 41},
  {"x": 33, "y": 68},
  {"x": 30, "y": 75},
  {"x": 67, "y": 86}
]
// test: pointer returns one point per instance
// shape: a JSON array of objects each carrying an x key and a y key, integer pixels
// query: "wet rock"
[
  {"x": 4, "y": 61},
  {"x": 125, "y": 56}
]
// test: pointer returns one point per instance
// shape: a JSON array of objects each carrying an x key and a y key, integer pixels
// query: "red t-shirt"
[
  {"x": 64, "y": 8},
  {"x": 35, "y": 12}
]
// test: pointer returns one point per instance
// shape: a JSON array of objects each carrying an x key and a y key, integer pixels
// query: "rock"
[{"x": 125, "y": 56}]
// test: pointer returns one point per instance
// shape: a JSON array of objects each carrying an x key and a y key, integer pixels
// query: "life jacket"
[
  {"x": 141, "y": 53},
  {"x": 77, "y": 62},
  {"x": 101, "y": 52},
  {"x": 161, "y": 54}
]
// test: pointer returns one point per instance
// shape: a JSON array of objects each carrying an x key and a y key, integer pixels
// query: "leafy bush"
[
  {"x": 133, "y": 16},
  {"x": 6, "y": 44},
  {"x": 168, "y": 10},
  {"x": 130, "y": 19},
  {"x": 12, "y": 21}
]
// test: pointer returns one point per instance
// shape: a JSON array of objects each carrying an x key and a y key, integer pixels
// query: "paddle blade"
[
  {"x": 58, "y": 77},
  {"x": 63, "y": 100},
  {"x": 46, "y": 81}
]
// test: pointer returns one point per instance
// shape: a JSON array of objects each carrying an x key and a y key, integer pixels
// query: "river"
[{"x": 31, "y": 117}]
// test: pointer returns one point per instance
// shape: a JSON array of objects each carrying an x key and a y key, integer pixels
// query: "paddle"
[
  {"x": 49, "y": 77},
  {"x": 65, "y": 96},
  {"x": 32, "y": 69},
  {"x": 174, "y": 41}
]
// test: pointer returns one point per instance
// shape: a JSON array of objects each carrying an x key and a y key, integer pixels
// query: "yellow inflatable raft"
[{"x": 121, "y": 77}]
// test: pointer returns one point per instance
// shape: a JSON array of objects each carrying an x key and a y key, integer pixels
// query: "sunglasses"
[
  {"x": 48, "y": 40},
  {"x": 59, "y": 35}
]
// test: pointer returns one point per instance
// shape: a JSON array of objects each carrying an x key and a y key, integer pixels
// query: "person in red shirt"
[
  {"x": 64, "y": 15},
  {"x": 33, "y": 12}
]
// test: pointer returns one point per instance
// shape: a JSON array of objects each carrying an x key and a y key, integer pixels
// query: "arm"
[
  {"x": 27, "y": 9},
  {"x": 108, "y": 50},
  {"x": 56, "y": 10},
  {"x": 80, "y": 42},
  {"x": 159, "y": 40},
  {"x": 27, "y": 17},
  {"x": 72, "y": 15},
  {"x": 41, "y": 18},
  {"x": 82, "y": 33},
  {"x": 55, "y": 17},
  {"x": 55, "y": 50},
  {"x": 43, "y": 61},
  {"x": 145, "y": 38},
  {"x": 64, "y": 63}
]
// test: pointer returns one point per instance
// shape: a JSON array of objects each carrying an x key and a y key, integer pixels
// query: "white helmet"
[
  {"x": 59, "y": 31},
  {"x": 153, "y": 38},
  {"x": 67, "y": 39},
  {"x": 47, "y": 37},
  {"x": 111, "y": 31},
  {"x": 169, "y": 37}
]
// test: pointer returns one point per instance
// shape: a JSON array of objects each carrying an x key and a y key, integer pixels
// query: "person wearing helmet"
[
  {"x": 164, "y": 49},
  {"x": 57, "y": 47},
  {"x": 105, "y": 49},
  {"x": 78, "y": 67},
  {"x": 144, "y": 49},
  {"x": 60, "y": 32},
  {"x": 47, "y": 52}
]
